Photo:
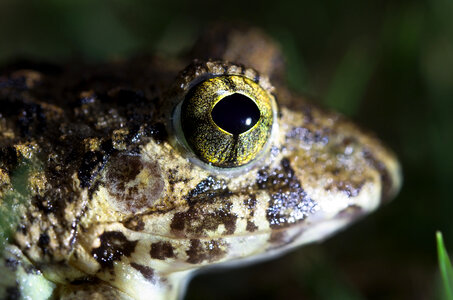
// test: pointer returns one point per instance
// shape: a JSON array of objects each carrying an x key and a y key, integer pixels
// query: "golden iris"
[{"x": 227, "y": 120}]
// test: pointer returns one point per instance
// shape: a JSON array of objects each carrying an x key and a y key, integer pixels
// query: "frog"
[{"x": 121, "y": 180}]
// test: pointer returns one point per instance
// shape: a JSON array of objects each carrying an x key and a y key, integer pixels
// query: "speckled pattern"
[{"x": 103, "y": 200}]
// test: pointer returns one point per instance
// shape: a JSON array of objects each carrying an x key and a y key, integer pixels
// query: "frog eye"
[{"x": 227, "y": 120}]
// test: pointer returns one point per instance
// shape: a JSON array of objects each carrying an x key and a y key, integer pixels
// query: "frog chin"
[
  {"x": 333, "y": 213},
  {"x": 315, "y": 228},
  {"x": 243, "y": 250}
]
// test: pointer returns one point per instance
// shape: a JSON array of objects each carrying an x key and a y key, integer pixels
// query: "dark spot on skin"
[
  {"x": 31, "y": 117},
  {"x": 178, "y": 222},
  {"x": 135, "y": 135},
  {"x": 204, "y": 251},
  {"x": 158, "y": 132},
  {"x": 107, "y": 146},
  {"x": 91, "y": 162},
  {"x": 206, "y": 189},
  {"x": 43, "y": 242},
  {"x": 123, "y": 169},
  {"x": 250, "y": 204},
  {"x": 251, "y": 227},
  {"x": 387, "y": 186},
  {"x": 146, "y": 272},
  {"x": 200, "y": 219},
  {"x": 161, "y": 250},
  {"x": 174, "y": 177},
  {"x": 114, "y": 245},
  {"x": 209, "y": 207},
  {"x": 350, "y": 188},
  {"x": 13, "y": 293},
  {"x": 30, "y": 269},
  {"x": 135, "y": 224},
  {"x": 45, "y": 204},
  {"x": 289, "y": 203},
  {"x": 11, "y": 264},
  {"x": 9, "y": 158}
]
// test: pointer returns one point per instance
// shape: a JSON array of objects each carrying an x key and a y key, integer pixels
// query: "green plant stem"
[{"x": 446, "y": 270}]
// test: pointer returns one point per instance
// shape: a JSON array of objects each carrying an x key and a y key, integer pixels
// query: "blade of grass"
[{"x": 446, "y": 270}]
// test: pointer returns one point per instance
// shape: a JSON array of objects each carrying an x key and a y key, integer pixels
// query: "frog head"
[
  {"x": 247, "y": 171},
  {"x": 133, "y": 189}
]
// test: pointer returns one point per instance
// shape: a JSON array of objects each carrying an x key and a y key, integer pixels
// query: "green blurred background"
[{"x": 386, "y": 64}]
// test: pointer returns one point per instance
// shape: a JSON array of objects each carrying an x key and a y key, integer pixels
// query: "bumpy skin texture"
[{"x": 102, "y": 201}]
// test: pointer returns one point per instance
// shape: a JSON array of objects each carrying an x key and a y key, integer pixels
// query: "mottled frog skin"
[{"x": 99, "y": 199}]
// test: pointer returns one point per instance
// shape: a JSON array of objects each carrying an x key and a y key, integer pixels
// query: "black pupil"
[{"x": 235, "y": 113}]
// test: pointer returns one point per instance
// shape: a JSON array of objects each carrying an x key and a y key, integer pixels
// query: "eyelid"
[{"x": 200, "y": 71}]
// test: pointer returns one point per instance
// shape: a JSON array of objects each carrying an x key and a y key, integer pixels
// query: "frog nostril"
[{"x": 235, "y": 113}]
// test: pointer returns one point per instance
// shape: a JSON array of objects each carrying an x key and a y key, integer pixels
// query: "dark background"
[{"x": 386, "y": 64}]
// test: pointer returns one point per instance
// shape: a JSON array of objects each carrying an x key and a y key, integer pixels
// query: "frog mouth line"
[
  {"x": 275, "y": 235},
  {"x": 242, "y": 248}
]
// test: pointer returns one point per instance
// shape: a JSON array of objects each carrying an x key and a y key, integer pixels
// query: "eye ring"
[{"x": 213, "y": 133}]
